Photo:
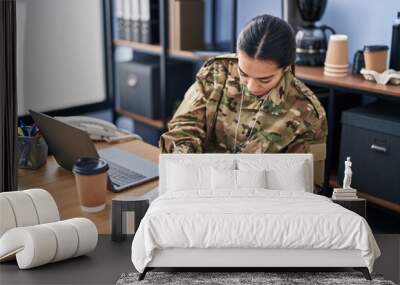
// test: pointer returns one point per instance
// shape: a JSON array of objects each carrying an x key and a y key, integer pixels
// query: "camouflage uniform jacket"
[{"x": 291, "y": 119}]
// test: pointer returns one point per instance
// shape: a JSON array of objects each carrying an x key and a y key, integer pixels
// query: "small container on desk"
[
  {"x": 32, "y": 151},
  {"x": 126, "y": 214}
]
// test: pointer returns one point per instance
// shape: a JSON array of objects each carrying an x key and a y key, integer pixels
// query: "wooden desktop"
[
  {"x": 314, "y": 76},
  {"x": 61, "y": 184}
]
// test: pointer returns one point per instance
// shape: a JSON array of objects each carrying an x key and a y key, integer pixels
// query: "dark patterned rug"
[{"x": 230, "y": 278}]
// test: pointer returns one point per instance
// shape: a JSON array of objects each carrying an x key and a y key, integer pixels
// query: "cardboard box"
[{"x": 186, "y": 24}]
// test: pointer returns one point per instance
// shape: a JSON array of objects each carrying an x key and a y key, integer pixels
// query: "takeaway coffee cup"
[
  {"x": 337, "y": 53},
  {"x": 91, "y": 181},
  {"x": 375, "y": 58}
]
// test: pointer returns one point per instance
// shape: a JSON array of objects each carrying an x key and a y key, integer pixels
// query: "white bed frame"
[
  {"x": 234, "y": 257},
  {"x": 256, "y": 258},
  {"x": 249, "y": 257}
]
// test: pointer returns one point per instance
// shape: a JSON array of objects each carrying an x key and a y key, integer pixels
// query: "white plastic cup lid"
[{"x": 338, "y": 37}]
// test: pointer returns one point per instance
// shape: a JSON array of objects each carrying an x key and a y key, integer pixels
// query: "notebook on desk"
[{"x": 68, "y": 143}]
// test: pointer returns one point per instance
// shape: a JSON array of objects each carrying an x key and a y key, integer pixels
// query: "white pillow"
[
  {"x": 293, "y": 179},
  {"x": 185, "y": 177},
  {"x": 225, "y": 179},
  {"x": 251, "y": 178},
  {"x": 282, "y": 174},
  {"x": 184, "y": 174}
]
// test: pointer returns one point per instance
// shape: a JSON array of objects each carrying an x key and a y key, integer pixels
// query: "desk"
[
  {"x": 352, "y": 83},
  {"x": 313, "y": 76},
  {"x": 61, "y": 184}
]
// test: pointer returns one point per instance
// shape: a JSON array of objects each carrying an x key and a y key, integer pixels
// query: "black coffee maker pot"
[{"x": 311, "y": 39}]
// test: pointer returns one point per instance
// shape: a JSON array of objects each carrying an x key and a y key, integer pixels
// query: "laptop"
[{"x": 68, "y": 143}]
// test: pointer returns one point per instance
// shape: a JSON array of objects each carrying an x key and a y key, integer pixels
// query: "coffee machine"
[{"x": 311, "y": 39}]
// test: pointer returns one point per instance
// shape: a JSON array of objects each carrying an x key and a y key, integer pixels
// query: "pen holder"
[{"x": 31, "y": 152}]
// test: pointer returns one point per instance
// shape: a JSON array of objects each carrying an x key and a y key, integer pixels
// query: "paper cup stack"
[{"x": 336, "y": 61}]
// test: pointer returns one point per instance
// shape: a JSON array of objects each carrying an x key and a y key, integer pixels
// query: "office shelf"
[
  {"x": 189, "y": 55},
  {"x": 140, "y": 118},
  {"x": 156, "y": 49},
  {"x": 148, "y": 48}
]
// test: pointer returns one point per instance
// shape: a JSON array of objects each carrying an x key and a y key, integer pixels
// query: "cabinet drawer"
[{"x": 376, "y": 161}]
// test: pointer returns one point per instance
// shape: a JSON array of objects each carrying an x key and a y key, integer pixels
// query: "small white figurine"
[{"x": 348, "y": 173}]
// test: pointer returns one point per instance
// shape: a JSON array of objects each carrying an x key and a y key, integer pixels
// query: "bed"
[{"x": 247, "y": 210}]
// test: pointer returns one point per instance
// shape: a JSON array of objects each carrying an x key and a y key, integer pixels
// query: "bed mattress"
[{"x": 250, "y": 219}]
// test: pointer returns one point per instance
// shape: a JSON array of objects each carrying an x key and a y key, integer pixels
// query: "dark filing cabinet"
[
  {"x": 371, "y": 137},
  {"x": 139, "y": 86}
]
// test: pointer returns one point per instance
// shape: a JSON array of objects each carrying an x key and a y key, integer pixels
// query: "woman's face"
[{"x": 259, "y": 76}]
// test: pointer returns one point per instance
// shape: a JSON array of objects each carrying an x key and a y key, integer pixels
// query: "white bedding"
[{"x": 252, "y": 218}]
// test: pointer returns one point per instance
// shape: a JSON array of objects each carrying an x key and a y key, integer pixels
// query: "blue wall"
[
  {"x": 364, "y": 21},
  {"x": 247, "y": 9}
]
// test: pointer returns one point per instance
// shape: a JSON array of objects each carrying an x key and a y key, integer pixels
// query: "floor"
[
  {"x": 103, "y": 266},
  {"x": 111, "y": 259}
]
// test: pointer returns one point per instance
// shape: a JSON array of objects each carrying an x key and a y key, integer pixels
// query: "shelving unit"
[
  {"x": 156, "y": 50},
  {"x": 145, "y": 120},
  {"x": 148, "y": 48},
  {"x": 164, "y": 54},
  {"x": 352, "y": 85},
  {"x": 312, "y": 76}
]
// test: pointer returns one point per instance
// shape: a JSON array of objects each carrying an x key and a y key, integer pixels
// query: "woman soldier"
[{"x": 250, "y": 102}]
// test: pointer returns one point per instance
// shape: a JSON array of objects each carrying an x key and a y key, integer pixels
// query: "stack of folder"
[
  {"x": 344, "y": 194},
  {"x": 138, "y": 20}
]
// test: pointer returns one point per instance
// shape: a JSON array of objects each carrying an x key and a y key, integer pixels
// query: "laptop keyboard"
[{"x": 121, "y": 176}]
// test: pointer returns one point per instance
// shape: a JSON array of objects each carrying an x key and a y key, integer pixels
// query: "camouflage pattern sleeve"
[
  {"x": 313, "y": 135},
  {"x": 315, "y": 129},
  {"x": 187, "y": 128}
]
